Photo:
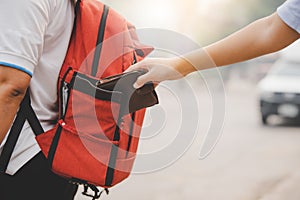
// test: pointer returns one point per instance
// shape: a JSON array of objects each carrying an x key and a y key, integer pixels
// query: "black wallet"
[{"x": 133, "y": 99}]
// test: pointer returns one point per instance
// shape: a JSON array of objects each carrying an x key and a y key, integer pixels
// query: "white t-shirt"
[
  {"x": 290, "y": 14},
  {"x": 34, "y": 36}
]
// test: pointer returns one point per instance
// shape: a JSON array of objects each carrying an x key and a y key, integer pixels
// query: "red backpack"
[{"x": 96, "y": 137}]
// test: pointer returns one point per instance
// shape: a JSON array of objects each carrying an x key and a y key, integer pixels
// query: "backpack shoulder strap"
[{"x": 25, "y": 112}]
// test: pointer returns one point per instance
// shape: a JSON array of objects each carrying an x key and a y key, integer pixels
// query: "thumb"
[
  {"x": 141, "y": 80},
  {"x": 134, "y": 67}
]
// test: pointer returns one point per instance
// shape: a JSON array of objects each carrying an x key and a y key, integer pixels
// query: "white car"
[{"x": 279, "y": 91}]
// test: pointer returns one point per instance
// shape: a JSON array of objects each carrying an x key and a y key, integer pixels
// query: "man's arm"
[
  {"x": 13, "y": 85},
  {"x": 263, "y": 36}
]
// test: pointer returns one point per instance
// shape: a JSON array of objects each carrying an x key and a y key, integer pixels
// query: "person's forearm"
[
  {"x": 13, "y": 86},
  {"x": 262, "y": 37}
]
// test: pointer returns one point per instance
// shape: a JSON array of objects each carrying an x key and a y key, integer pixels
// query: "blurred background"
[{"x": 257, "y": 154}]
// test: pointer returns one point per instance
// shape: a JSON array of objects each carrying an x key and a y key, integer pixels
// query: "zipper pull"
[
  {"x": 65, "y": 96},
  {"x": 134, "y": 59}
]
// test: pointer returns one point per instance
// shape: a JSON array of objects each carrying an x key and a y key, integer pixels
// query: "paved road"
[{"x": 250, "y": 162}]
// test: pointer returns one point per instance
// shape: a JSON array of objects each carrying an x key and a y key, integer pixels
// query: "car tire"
[{"x": 264, "y": 119}]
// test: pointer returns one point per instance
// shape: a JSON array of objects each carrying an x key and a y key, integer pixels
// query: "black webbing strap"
[
  {"x": 114, "y": 151},
  {"x": 31, "y": 117},
  {"x": 25, "y": 112},
  {"x": 12, "y": 139},
  {"x": 100, "y": 40},
  {"x": 130, "y": 133},
  {"x": 76, "y": 8}
]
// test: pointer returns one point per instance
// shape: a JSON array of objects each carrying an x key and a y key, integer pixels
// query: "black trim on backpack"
[
  {"x": 56, "y": 138},
  {"x": 113, "y": 155},
  {"x": 111, "y": 165},
  {"x": 54, "y": 145},
  {"x": 76, "y": 8},
  {"x": 114, "y": 151},
  {"x": 89, "y": 87},
  {"x": 76, "y": 11},
  {"x": 130, "y": 133},
  {"x": 99, "y": 40}
]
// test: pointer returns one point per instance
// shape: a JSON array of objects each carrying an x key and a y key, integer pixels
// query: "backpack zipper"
[{"x": 65, "y": 95}]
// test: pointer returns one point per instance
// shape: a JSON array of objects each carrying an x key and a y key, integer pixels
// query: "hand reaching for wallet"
[
  {"x": 159, "y": 69},
  {"x": 264, "y": 36}
]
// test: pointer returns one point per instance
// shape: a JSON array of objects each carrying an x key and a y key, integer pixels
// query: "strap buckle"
[{"x": 97, "y": 193}]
